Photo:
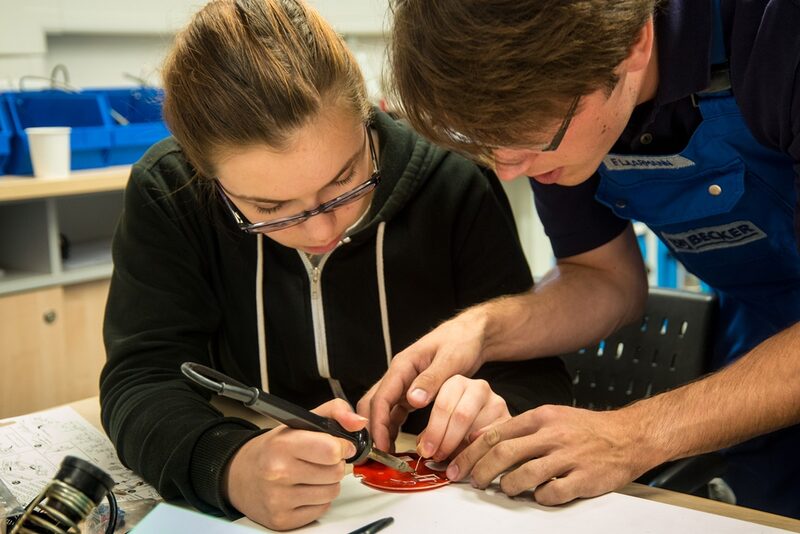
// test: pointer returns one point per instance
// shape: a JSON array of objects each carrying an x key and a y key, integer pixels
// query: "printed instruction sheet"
[{"x": 33, "y": 446}]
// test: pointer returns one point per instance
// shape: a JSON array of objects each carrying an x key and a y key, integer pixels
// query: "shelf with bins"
[{"x": 58, "y": 232}]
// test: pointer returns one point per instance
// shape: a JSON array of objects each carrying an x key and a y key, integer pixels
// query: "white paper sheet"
[
  {"x": 461, "y": 509},
  {"x": 166, "y": 519},
  {"x": 33, "y": 446}
]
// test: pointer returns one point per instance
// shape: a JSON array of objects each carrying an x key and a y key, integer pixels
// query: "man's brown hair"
[
  {"x": 248, "y": 72},
  {"x": 473, "y": 74}
]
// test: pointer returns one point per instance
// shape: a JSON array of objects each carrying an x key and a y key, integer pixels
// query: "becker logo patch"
[
  {"x": 614, "y": 162},
  {"x": 733, "y": 234}
]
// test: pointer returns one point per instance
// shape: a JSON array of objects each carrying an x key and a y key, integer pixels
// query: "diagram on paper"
[{"x": 33, "y": 446}]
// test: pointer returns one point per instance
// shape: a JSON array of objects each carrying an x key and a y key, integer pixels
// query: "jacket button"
[
  {"x": 621, "y": 204},
  {"x": 714, "y": 190},
  {"x": 646, "y": 138}
]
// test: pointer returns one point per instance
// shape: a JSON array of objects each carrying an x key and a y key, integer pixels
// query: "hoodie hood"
[{"x": 406, "y": 162}]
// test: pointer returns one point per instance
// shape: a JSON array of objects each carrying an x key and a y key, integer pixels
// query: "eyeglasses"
[
  {"x": 285, "y": 222},
  {"x": 553, "y": 145},
  {"x": 483, "y": 153}
]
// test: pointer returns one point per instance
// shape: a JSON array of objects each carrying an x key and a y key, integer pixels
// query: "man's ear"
[{"x": 642, "y": 50}]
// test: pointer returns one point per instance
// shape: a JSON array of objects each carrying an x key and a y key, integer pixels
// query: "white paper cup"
[{"x": 50, "y": 151}]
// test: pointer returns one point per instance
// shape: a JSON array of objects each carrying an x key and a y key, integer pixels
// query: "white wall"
[
  {"x": 100, "y": 40},
  {"x": 531, "y": 232},
  {"x": 104, "y": 60}
]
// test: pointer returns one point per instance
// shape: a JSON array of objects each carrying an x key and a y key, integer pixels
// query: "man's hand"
[
  {"x": 463, "y": 406},
  {"x": 562, "y": 453},
  {"x": 287, "y": 478},
  {"x": 417, "y": 373}
]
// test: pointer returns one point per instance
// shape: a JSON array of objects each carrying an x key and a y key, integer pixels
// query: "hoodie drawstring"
[
  {"x": 261, "y": 325},
  {"x": 387, "y": 339}
]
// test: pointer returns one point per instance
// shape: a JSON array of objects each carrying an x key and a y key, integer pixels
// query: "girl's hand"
[
  {"x": 463, "y": 406},
  {"x": 287, "y": 478}
]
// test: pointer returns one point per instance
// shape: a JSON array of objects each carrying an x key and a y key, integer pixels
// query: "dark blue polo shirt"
[{"x": 763, "y": 45}]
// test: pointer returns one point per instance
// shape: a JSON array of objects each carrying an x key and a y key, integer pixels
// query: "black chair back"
[{"x": 669, "y": 347}]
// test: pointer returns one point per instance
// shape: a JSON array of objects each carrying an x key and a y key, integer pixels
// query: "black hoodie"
[{"x": 438, "y": 237}]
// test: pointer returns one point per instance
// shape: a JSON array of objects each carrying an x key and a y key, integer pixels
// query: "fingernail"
[
  {"x": 349, "y": 450},
  {"x": 362, "y": 419},
  {"x": 425, "y": 449},
  {"x": 418, "y": 396},
  {"x": 474, "y": 483},
  {"x": 452, "y": 472}
]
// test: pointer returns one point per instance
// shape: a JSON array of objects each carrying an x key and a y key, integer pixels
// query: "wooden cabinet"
[
  {"x": 32, "y": 355},
  {"x": 52, "y": 349},
  {"x": 84, "y": 307},
  {"x": 52, "y": 297}
]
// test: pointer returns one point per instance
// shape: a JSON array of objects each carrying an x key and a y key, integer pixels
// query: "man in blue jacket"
[{"x": 684, "y": 115}]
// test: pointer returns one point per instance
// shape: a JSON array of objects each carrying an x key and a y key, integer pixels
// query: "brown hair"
[
  {"x": 471, "y": 74},
  {"x": 247, "y": 72}
]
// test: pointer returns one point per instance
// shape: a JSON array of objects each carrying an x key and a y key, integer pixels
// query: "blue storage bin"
[
  {"x": 86, "y": 114},
  {"x": 5, "y": 137},
  {"x": 141, "y": 108}
]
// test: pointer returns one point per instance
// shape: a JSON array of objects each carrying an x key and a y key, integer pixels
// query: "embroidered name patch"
[
  {"x": 614, "y": 162},
  {"x": 733, "y": 234}
]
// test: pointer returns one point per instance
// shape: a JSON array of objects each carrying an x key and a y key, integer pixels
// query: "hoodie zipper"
[{"x": 318, "y": 313}]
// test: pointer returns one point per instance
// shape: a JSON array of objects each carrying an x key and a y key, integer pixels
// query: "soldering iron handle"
[
  {"x": 299, "y": 418},
  {"x": 281, "y": 410}
]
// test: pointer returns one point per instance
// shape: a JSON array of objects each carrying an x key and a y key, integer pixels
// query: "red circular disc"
[{"x": 428, "y": 474}]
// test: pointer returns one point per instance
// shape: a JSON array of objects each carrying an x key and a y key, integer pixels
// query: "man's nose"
[{"x": 509, "y": 166}]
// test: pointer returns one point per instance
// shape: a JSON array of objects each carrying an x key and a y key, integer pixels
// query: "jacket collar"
[{"x": 683, "y": 34}]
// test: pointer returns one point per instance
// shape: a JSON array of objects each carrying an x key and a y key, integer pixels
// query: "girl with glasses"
[{"x": 294, "y": 238}]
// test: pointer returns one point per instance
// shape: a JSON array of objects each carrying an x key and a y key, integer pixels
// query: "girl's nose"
[{"x": 321, "y": 229}]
